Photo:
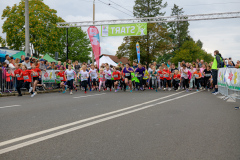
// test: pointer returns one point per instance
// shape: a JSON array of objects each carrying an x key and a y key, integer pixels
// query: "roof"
[
  {"x": 18, "y": 55},
  {"x": 48, "y": 58},
  {"x": 124, "y": 60}
]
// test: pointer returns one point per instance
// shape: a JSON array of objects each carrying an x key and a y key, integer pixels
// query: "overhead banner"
[
  {"x": 138, "y": 52},
  {"x": 134, "y": 29},
  {"x": 95, "y": 42}
]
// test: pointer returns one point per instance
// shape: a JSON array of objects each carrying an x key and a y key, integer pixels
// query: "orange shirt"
[{"x": 197, "y": 75}]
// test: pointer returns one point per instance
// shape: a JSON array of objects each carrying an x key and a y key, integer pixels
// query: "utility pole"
[
  {"x": 27, "y": 49},
  {"x": 67, "y": 42},
  {"x": 93, "y": 24}
]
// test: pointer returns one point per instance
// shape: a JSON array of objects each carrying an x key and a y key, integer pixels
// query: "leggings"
[
  {"x": 176, "y": 84},
  {"x": 70, "y": 84},
  {"x": 84, "y": 84},
  {"x": 185, "y": 83},
  {"x": 108, "y": 83},
  {"x": 165, "y": 82},
  {"x": 207, "y": 82},
  {"x": 192, "y": 82},
  {"x": 160, "y": 83},
  {"x": 154, "y": 83},
  {"x": 19, "y": 86},
  {"x": 101, "y": 83},
  {"x": 197, "y": 82},
  {"x": 140, "y": 81}
]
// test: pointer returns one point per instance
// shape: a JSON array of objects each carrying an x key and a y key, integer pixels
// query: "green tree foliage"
[
  {"x": 2, "y": 42},
  {"x": 199, "y": 43},
  {"x": 44, "y": 34},
  {"x": 78, "y": 45},
  {"x": 156, "y": 42},
  {"x": 179, "y": 30},
  {"x": 189, "y": 52}
]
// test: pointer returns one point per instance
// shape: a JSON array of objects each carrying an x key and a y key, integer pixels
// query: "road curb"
[{"x": 27, "y": 93}]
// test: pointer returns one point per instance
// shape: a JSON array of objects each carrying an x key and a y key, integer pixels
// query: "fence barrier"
[{"x": 229, "y": 83}]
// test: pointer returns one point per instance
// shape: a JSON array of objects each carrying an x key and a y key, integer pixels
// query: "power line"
[
  {"x": 114, "y": 7},
  {"x": 206, "y": 4},
  {"x": 121, "y": 6}
]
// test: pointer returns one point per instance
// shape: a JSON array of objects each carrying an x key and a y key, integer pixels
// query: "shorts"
[
  {"x": 144, "y": 81},
  {"x": 128, "y": 77},
  {"x": 94, "y": 82},
  {"x": 116, "y": 81},
  {"x": 35, "y": 79},
  {"x": 214, "y": 76}
]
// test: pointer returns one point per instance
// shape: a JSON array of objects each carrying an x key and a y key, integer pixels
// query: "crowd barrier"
[{"x": 229, "y": 83}]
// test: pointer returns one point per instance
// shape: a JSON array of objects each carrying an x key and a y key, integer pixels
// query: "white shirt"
[
  {"x": 108, "y": 74},
  {"x": 93, "y": 73},
  {"x": 84, "y": 75},
  {"x": 6, "y": 61},
  {"x": 70, "y": 74}
]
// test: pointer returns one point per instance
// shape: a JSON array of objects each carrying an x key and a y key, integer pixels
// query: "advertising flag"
[
  {"x": 95, "y": 42},
  {"x": 138, "y": 52}
]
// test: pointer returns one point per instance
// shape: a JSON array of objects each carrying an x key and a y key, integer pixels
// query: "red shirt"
[
  {"x": 160, "y": 74},
  {"x": 116, "y": 75},
  {"x": 178, "y": 76},
  {"x": 61, "y": 75},
  {"x": 166, "y": 74},
  {"x": 18, "y": 74},
  {"x": 37, "y": 70},
  {"x": 27, "y": 75}
]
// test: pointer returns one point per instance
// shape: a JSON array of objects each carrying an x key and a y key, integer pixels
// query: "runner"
[
  {"x": 93, "y": 75},
  {"x": 108, "y": 76},
  {"x": 153, "y": 78},
  {"x": 36, "y": 74},
  {"x": 62, "y": 79},
  {"x": 160, "y": 77},
  {"x": 117, "y": 77},
  {"x": 198, "y": 77},
  {"x": 127, "y": 71},
  {"x": 145, "y": 78},
  {"x": 27, "y": 78},
  {"x": 140, "y": 74},
  {"x": 101, "y": 77},
  {"x": 166, "y": 79},
  {"x": 84, "y": 77},
  {"x": 20, "y": 80},
  {"x": 184, "y": 76},
  {"x": 176, "y": 80},
  {"x": 71, "y": 74},
  {"x": 207, "y": 77}
]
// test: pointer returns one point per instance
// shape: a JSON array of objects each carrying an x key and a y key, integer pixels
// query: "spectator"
[
  {"x": 12, "y": 64},
  {"x": 215, "y": 66},
  {"x": 76, "y": 65},
  {"x": 230, "y": 59},
  {"x": 22, "y": 58},
  {"x": 53, "y": 64},
  {"x": 48, "y": 65},
  {"x": 17, "y": 60},
  {"x": 59, "y": 65},
  {"x": 197, "y": 61},
  {"x": 27, "y": 63},
  {"x": 230, "y": 64},
  {"x": 7, "y": 59},
  {"x": 168, "y": 63},
  {"x": 135, "y": 66},
  {"x": 201, "y": 63},
  {"x": 42, "y": 66}
]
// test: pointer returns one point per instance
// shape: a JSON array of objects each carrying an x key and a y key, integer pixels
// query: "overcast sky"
[{"x": 223, "y": 35}]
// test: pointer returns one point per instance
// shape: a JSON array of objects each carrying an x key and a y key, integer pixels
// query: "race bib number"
[
  {"x": 184, "y": 75},
  {"x": 161, "y": 75},
  {"x": 25, "y": 77},
  {"x": 61, "y": 78},
  {"x": 166, "y": 75},
  {"x": 69, "y": 76},
  {"x": 145, "y": 77},
  {"x": 92, "y": 75},
  {"x": 84, "y": 78},
  {"x": 101, "y": 76},
  {"x": 17, "y": 75},
  {"x": 207, "y": 75},
  {"x": 153, "y": 77},
  {"x": 139, "y": 75},
  {"x": 34, "y": 74},
  {"x": 115, "y": 76},
  {"x": 107, "y": 76},
  {"x": 127, "y": 74},
  {"x": 196, "y": 75}
]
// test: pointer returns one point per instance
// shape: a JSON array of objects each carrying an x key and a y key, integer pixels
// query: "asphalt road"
[{"x": 119, "y": 126}]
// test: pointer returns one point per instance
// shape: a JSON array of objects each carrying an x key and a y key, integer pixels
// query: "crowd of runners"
[{"x": 187, "y": 76}]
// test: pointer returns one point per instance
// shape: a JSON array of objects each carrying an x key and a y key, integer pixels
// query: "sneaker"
[
  {"x": 85, "y": 92},
  {"x": 19, "y": 95},
  {"x": 110, "y": 89},
  {"x": 187, "y": 90},
  {"x": 164, "y": 89},
  {"x": 208, "y": 90},
  {"x": 213, "y": 92},
  {"x": 197, "y": 90},
  {"x": 33, "y": 94},
  {"x": 216, "y": 93},
  {"x": 71, "y": 93},
  {"x": 156, "y": 90},
  {"x": 204, "y": 89},
  {"x": 131, "y": 91},
  {"x": 169, "y": 89},
  {"x": 99, "y": 90},
  {"x": 90, "y": 89},
  {"x": 115, "y": 90},
  {"x": 64, "y": 91},
  {"x": 30, "y": 90},
  {"x": 44, "y": 86},
  {"x": 136, "y": 89}
]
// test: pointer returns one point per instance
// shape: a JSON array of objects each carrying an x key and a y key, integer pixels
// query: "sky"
[{"x": 222, "y": 35}]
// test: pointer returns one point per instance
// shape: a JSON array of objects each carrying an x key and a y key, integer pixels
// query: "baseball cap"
[
  {"x": 41, "y": 59},
  {"x": 27, "y": 58}
]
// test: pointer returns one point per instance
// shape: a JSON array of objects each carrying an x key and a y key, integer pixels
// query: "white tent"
[{"x": 106, "y": 59}]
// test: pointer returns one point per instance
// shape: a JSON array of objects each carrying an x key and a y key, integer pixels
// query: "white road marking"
[
  {"x": 10, "y": 106},
  {"x": 30, "y": 142},
  {"x": 78, "y": 122},
  {"x": 90, "y": 95}
]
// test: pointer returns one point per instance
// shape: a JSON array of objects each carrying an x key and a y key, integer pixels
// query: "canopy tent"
[
  {"x": 106, "y": 59},
  {"x": 8, "y": 51},
  {"x": 19, "y": 54},
  {"x": 48, "y": 58}
]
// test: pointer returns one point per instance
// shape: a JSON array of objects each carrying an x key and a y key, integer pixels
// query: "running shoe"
[
  {"x": 64, "y": 91},
  {"x": 115, "y": 90},
  {"x": 164, "y": 89},
  {"x": 127, "y": 87},
  {"x": 33, "y": 94},
  {"x": 90, "y": 89},
  {"x": 131, "y": 91},
  {"x": 204, "y": 89},
  {"x": 110, "y": 89},
  {"x": 71, "y": 93},
  {"x": 19, "y": 95},
  {"x": 216, "y": 93},
  {"x": 187, "y": 90},
  {"x": 208, "y": 90},
  {"x": 85, "y": 92},
  {"x": 136, "y": 89},
  {"x": 30, "y": 90},
  {"x": 169, "y": 89},
  {"x": 99, "y": 90},
  {"x": 156, "y": 90},
  {"x": 197, "y": 90},
  {"x": 44, "y": 86}
]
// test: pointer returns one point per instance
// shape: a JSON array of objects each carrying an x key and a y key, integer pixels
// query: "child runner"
[
  {"x": 93, "y": 75},
  {"x": 117, "y": 77},
  {"x": 108, "y": 76},
  {"x": 127, "y": 71},
  {"x": 207, "y": 77},
  {"x": 27, "y": 78},
  {"x": 70, "y": 77},
  {"x": 84, "y": 77},
  {"x": 198, "y": 77},
  {"x": 36, "y": 74},
  {"x": 160, "y": 77},
  {"x": 192, "y": 80},
  {"x": 153, "y": 75},
  {"x": 101, "y": 77},
  {"x": 145, "y": 78},
  {"x": 184, "y": 76},
  {"x": 20, "y": 81},
  {"x": 166, "y": 78},
  {"x": 140, "y": 73},
  {"x": 176, "y": 80},
  {"x": 62, "y": 79}
]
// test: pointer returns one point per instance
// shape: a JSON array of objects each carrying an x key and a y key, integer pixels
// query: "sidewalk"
[{"x": 14, "y": 93}]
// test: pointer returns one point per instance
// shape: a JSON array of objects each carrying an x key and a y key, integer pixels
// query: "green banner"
[{"x": 134, "y": 29}]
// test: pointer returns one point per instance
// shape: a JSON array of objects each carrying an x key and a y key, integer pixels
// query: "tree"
[
  {"x": 179, "y": 30},
  {"x": 44, "y": 34},
  {"x": 2, "y": 42},
  {"x": 199, "y": 43},
  {"x": 78, "y": 45},
  {"x": 189, "y": 52},
  {"x": 157, "y": 40}
]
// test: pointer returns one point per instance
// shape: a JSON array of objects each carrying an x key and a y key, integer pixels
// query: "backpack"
[{"x": 222, "y": 62}]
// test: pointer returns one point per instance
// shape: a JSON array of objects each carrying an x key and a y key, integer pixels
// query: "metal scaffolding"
[{"x": 196, "y": 17}]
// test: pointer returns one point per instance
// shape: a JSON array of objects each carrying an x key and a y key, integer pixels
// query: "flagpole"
[{"x": 93, "y": 24}]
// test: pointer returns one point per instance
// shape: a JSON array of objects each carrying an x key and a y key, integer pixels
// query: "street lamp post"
[
  {"x": 27, "y": 49},
  {"x": 93, "y": 24}
]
